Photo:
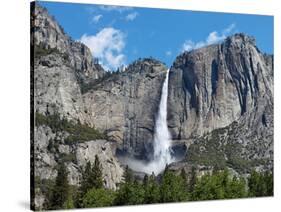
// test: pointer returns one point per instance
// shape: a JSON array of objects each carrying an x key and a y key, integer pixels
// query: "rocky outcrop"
[
  {"x": 50, "y": 147},
  {"x": 112, "y": 171},
  {"x": 211, "y": 87},
  {"x": 125, "y": 106},
  {"x": 61, "y": 67},
  {"x": 48, "y": 34},
  {"x": 56, "y": 88}
]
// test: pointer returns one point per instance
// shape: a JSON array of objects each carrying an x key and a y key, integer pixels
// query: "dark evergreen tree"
[
  {"x": 130, "y": 192},
  {"x": 172, "y": 187},
  {"x": 60, "y": 192},
  {"x": 219, "y": 186},
  {"x": 151, "y": 190},
  {"x": 128, "y": 175},
  {"x": 260, "y": 184},
  {"x": 86, "y": 182},
  {"x": 184, "y": 177},
  {"x": 98, "y": 198},
  {"x": 97, "y": 174},
  {"x": 91, "y": 178},
  {"x": 269, "y": 183},
  {"x": 192, "y": 180},
  {"x": 145, "y": 180}
]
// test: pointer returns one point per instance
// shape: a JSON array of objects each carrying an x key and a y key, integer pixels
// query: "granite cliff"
[{"x": 221, "y": 105}]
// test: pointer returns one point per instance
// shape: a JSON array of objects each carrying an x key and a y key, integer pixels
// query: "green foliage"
[
  {"x": 208, "y": 151},
  {"x": 94, "y": 84},
  {"x": 98, "y": 198},
  {"x": 221, "y": 149},
  {"x": 128, "y": 175},
  {"x": 91, "y": 179},
  {"x": 86, "y": 182},
  {"x": 78, "y": 132},
  {"x": 45, "y": 186},
  {"x": 69, "y": 203},
  {"x": 192, "y": 180},
  {"x": 172, "y": 188},
  {"x": 97, "y": 173},
  {"x": 60, "y": 193},
  {"x": 92, "y": 176},
  {"x": 66, "y": 158},
  {"x": 151, "y": 190},
  {"x": 260, "y": 184},
  {"x": 169, "y": 188},
  {"x": 40, "y": 51},
  {"x": 218, "y": 186},
  {"x": 130, "y": 193}
]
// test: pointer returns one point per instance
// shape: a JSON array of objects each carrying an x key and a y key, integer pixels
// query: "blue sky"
[{"x": 120, "y": 35}]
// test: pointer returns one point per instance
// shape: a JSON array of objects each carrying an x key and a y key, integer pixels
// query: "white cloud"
[
  {"x": 115, "y": 8},
  {"x": 229, "y": 29},
  {"x": 131, "y": 16},
  {"x": 107, "y": 45},
  {"x": 213, "y": 37},
  {"x": 168, "y": 53},
  {"x": 96, "y": 18}
]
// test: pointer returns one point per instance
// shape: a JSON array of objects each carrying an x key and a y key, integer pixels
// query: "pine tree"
[
  {"x": 192, "y": 180},
  {"x": 128, "y": 175},
  {"x": 86, "y": 179},
  {"x": 91, "y": 179},
  {"x": 61, "y": 189},
  {"x": 145, "y": 180},
  {"x": 151, "y": 189},
  {"x": 184, "y": 177},
  {"x": 269, "y": 183},
  {"x": 130, "y": 192},
  {"x": 260, "y": 184},
  {"x": 100, "y": 197},
  {"x": 172, "y": 187},
  {"x": 97, "y": 174}
]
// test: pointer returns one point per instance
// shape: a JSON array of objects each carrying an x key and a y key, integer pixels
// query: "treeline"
[
  {"x": 77, "y": 132},
  {"x": 168, "y": 187}
]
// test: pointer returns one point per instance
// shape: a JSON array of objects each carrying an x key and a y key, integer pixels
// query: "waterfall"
[
  {"x": 162, "y": 141},
  {"x": 162, "y": 138}
]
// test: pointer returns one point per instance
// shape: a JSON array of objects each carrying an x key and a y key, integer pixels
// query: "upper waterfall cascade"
[{"x": 162, "y": 154}]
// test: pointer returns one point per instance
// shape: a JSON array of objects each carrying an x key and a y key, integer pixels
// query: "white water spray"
[{"x": 162, "y": 140}]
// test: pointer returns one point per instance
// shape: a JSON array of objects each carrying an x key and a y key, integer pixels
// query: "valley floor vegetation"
[{"x": 165, "y": 188}]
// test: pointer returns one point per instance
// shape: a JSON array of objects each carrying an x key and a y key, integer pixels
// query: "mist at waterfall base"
[{"x": 162, "y": 154}]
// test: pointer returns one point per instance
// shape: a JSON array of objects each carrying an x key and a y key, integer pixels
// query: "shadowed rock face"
[
  {"x": 213, "y": 86},
  {"x": 125, "y": 105}
]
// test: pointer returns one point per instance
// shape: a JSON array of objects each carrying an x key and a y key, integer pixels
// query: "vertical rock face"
[
  {"x": 213, "y": 86},
  {"x": 50, "y": 35},
  {"x": 57, "y": 88},
  {"x": 125, "y": 106},
  {"x": 221, "y": 105},
  {"x": 61, "y": 67}
]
